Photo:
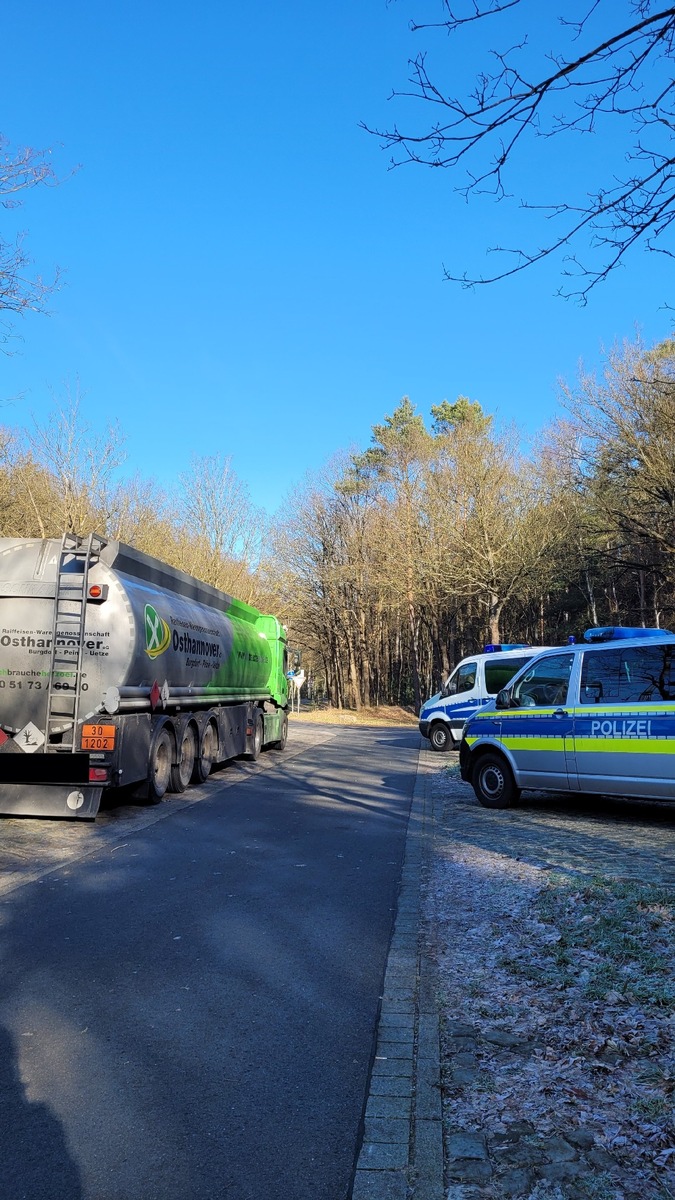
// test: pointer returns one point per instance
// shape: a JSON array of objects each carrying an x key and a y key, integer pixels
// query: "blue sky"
[{"x": 242, "y": 274}]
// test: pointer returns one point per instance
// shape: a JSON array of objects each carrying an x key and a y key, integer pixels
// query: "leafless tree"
[
  {"x": 623, "y": 457},
  {"x": 223, "y": 530},
  {"x": 80, "y": 462},
  {"x": 20, "y": 291},
  {"x": 611, "y": 65}
]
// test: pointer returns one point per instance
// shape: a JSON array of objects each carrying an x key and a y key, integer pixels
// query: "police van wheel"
[
  {"x": 440, "y": 737},
  {"x": 493, "y": 782}
]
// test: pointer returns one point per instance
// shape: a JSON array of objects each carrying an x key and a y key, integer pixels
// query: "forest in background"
[{"x": 405, "y": 556}]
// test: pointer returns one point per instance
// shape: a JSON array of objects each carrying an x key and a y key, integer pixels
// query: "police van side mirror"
[{"x": 503, "y": 699}]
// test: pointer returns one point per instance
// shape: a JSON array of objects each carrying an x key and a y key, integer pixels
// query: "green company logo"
[{"x": 157, "y": 633}]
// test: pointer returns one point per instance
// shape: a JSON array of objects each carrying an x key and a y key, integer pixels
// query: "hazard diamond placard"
[{"x": 30, "y": 738}]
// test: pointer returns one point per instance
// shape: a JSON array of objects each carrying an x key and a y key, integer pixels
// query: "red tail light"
[{"x": 98, "y": 774}]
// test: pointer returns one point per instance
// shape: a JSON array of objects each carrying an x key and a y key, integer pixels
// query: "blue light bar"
[
  {"x": 495, "y": 647},
  {"x": 616, "y": 633}
]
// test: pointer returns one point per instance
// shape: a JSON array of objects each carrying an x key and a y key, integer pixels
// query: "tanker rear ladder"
[{"x": 65, "y": 666}]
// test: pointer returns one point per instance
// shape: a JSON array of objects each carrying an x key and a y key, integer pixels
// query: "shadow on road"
[
  {"x": 588, "y": 833},
  {"x": 205, "y": 988},
  {"x": 613, "y": 808},
  {"x": 40, "y": 1164}
]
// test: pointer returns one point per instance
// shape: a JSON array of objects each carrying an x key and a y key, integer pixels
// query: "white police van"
[
  {"x": 596, "y": 717},
  {"x": 473, "y": 682}
]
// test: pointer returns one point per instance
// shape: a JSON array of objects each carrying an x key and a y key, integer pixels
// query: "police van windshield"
[
  {"x": 461, "y": 680},
  {"x": 545, "y": 683}
]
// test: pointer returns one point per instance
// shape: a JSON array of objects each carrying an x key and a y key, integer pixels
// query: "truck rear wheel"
[
  {"x": 181, "y": 772},
  {"x": 208, "y": 754},
  {"x": 280, "y": 744},
  {"x": 159, "y": 773}
]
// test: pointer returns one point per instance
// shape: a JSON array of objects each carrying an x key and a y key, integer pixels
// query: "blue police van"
[
  {"x": 474, "y": 681},
  {"x": 597, "y": 717}
]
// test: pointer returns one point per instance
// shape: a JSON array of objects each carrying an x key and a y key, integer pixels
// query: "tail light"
[{"x": 98, "y": 774}]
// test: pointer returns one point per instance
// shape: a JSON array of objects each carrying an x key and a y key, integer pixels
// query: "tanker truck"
[{"x": 117, "y": 670}]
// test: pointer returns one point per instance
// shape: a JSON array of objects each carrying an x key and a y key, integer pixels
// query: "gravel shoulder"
[{"x": 552, "y": 929}]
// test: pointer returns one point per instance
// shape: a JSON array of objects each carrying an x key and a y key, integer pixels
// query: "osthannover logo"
[{"x": 157, "y": 633}]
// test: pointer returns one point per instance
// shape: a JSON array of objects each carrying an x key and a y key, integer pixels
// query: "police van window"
[
  {"x": 466, "y": 677},
  {"x": 636, "y": 675},
  {"x": 498, "y": 674},
  {"x": 463, "y": 680},
  {"x": 545, "y": 683},
  {"x": 600, "y": 677},
  {"x": 647, "y": 674}
]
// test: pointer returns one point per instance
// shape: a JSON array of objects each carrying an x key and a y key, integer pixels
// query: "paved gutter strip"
[{"x": 401, "y": 1157}]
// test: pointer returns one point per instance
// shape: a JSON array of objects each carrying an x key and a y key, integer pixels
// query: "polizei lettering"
[
  {"x": 621, "y": 729},
  {"x": 191, "y": 645}
]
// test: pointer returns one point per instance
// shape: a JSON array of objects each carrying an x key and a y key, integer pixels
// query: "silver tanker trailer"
[{"x": 117, "y": 669}]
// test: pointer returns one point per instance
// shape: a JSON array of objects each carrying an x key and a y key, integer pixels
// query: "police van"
[
  {"x": 474, "y": 681},
  {"x": 597, "y": 717}
]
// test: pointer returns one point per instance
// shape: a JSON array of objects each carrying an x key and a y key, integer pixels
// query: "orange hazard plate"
[{"x": 98, "y": 737}]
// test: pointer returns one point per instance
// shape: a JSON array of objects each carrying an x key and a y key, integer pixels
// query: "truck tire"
[
  {"x": 208, "y": 754},
  {"x": 159, "y": 767},
  {"x": 493, "y": 782},
  {"x": 440, "y": 737},
  {"x": 256, "y": 738},
  {"x": 181, "y": 771},
  {"x": 281, "y": 743}
]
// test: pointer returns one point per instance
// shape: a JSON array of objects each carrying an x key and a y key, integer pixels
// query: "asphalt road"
[{"x": 188, "y": 1006}]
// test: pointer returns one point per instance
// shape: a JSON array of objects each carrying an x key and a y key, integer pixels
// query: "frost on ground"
[{"x": 580, "y": 971}]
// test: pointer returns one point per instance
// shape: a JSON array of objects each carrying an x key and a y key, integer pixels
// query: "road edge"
[{"x": 401, "y": 1156}]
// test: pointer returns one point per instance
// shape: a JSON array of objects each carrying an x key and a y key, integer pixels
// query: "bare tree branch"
[
  {"x": 20, "y": 171},
  {"x": 624, "y": 76}
]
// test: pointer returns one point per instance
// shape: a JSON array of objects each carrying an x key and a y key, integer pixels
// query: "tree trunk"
[
  {"x": 365, "y": 659},
  {"x": 642, "y": 597},
  {"x": 354, "y": 689},
  {"x": 494, "y": 615},
  {"x": 414, "y": 655},
  {"x": 590, "y": 594}
]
